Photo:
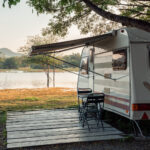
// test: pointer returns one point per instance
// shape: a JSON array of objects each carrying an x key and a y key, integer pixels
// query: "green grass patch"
[
  {"x": 30, "y": 99},
  {"x": 3, "y": 117},
  {"x": 3, "y": 132}
]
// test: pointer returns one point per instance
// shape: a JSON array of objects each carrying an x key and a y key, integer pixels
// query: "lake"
[{"x": 18, "y": 79}]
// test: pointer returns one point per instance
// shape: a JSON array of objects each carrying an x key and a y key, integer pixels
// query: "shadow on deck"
[{"x": 47, "y": 127}]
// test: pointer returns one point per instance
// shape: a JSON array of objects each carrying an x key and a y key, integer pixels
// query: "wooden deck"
[{"x": 46, "y": 127}]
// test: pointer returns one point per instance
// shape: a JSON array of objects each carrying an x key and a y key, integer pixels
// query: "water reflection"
[{"x": 13, "y": 80}]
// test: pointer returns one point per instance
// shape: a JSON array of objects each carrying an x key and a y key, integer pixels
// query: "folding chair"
[{"x": 92, "y": 109}]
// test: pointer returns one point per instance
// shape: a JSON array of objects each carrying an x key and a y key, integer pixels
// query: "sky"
[{"x": 19, "y": 22}]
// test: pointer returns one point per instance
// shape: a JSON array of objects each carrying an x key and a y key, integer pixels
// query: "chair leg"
[
  {"x": 100, "y": 116},
  {"x": 96, "y": 113},
  {"x": 78, "y": 104}
]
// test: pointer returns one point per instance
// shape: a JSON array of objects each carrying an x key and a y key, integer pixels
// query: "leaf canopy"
[{"x": 64, "y": 13}]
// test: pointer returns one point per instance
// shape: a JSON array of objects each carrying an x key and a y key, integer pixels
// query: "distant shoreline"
[{"x": 36, "y": 70}]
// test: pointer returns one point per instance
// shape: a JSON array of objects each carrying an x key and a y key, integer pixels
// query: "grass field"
[{"x": 29, "y": 99}]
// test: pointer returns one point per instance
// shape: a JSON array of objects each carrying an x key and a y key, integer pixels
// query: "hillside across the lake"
[{"x": 5, "y": 52}]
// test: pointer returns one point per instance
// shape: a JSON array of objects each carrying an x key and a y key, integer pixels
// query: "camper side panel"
[
  {"x": 140, "y": 67},
  {"x": 112, "y": 61},
  {"x": 115, "y": 84}
]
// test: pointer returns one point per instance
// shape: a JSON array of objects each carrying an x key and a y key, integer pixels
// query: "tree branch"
[
  {"x": 134, "y": 11},
  {"x": 142, "y": 0},
  {"x": 133, "y": 5},
  {"x": 127, "y": 21}
]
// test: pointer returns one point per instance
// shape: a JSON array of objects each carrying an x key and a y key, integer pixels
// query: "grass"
[
  {"x": 30, "y": 99},
  {"x": 3, "y": 132}
]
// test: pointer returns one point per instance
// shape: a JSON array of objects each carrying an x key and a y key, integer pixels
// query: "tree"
[
  {"x": 87, "y": 14},
  {"x": 45, "y": 61},
  {"x": 73, "y": 59},
  {"x": 10, "y": 63},
  {"x": 37, "y": 40},
  {"x": 1, "y": 62}
]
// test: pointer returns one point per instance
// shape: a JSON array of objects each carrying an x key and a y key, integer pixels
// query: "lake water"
[{"x": 14, "y": 80}]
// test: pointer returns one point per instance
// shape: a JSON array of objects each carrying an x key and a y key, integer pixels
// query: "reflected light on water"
[{"x": 13, "y": 80}]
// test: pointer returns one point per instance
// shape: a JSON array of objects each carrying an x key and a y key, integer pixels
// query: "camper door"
[{"x": 91, "y": 68}]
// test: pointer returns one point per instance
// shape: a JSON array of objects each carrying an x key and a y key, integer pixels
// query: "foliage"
[
  {"x": 3, "y": 132},
  {"x": 41, "y": 59},
  {"x": 10, "y": 63},
  {"x": 73, "y": 58},
  {"x": 21, "y": 61},
  {"x": 30, "y": 99},
  {"x": 40, "y": 62},
  {"x": 37, "y": 40},
  {"x": 1, "y": 62},
  {"x": 36, "y": 66},
  {"x": 67, "y": 12}
]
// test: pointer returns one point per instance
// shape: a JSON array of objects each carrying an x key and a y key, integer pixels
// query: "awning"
[{"x": 67, "y": 45}]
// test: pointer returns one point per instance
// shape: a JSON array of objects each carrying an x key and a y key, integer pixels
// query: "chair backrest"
[
  {"x": 84, "y": 90},
  {"x": 96, "y": 97}
]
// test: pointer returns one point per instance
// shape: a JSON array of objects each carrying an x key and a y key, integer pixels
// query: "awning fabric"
[{"x": 49, "y": 48}]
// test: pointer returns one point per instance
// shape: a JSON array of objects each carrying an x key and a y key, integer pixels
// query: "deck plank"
[
  {"x": 53, "y": 111},
  {"x": 61, "y": 136},
  {"x": 50, "y": 142},
  {"x": 35, "y": 128},
  {"x": 49, "y": 126},
  {"x": 39, "y": 133}
]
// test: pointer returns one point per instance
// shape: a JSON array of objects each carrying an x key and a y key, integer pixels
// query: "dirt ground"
[{"x": 101, "y": 145}]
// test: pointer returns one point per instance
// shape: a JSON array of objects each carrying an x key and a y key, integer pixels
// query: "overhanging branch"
[{"x": 127, "y": 21}]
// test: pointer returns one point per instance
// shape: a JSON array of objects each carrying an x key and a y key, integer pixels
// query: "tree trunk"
[
  {"x": 53, "y": 76},
  {"x": 48, "y": 68},
  {"x": 144, "y": 25},
  {"x": 54, "y": 71}
]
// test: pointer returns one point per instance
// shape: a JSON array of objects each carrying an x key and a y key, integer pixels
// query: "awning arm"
[
  {"x": 80, "y": 67},
  {"x": 68, "y": 71}
]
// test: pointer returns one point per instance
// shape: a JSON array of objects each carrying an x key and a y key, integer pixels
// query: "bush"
[{"x": 10, "y": 63}]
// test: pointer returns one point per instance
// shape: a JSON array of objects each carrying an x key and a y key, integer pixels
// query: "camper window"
[
  {"x": 119, "y": 61},
  {"x": 84, "y": 66}
]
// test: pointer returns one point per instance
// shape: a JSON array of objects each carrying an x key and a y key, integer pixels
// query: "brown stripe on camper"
[
  {"x": 117, "y": 98},
  {"x": 121, "y": 106}
]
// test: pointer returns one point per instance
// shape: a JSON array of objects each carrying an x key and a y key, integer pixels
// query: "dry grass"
[{"x": 27, "y": 99}]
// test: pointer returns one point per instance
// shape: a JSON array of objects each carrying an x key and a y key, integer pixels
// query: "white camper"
[{"x": 119, "y": 66}]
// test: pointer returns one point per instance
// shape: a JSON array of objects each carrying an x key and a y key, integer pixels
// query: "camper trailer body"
[{"x": 119, "y": 66}]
